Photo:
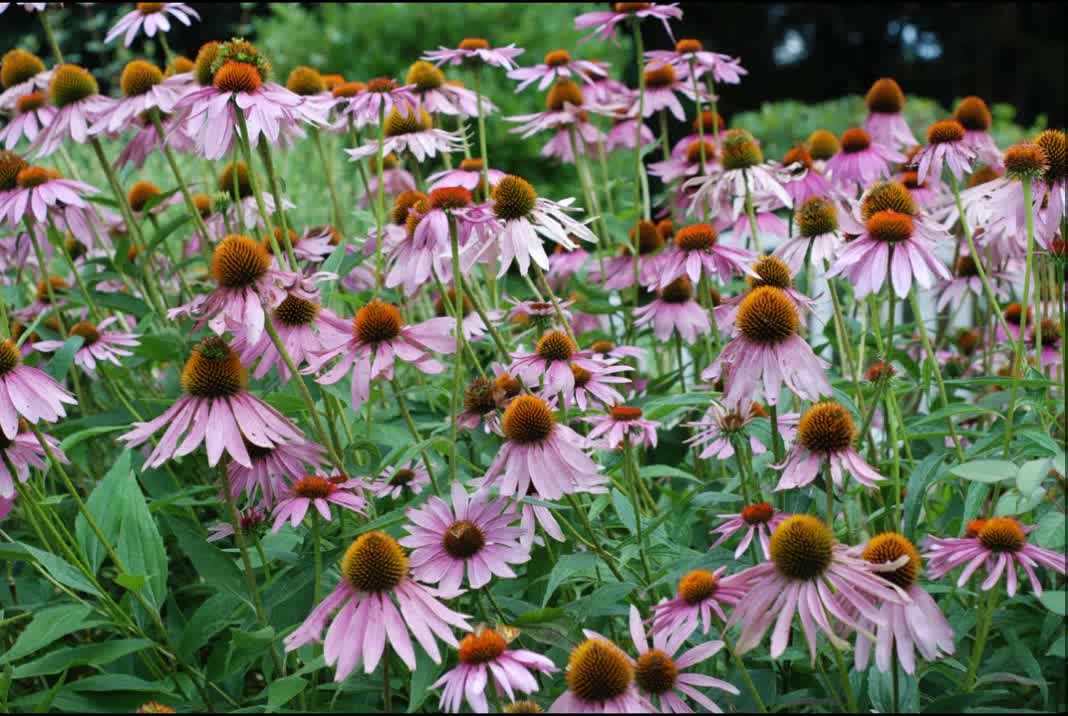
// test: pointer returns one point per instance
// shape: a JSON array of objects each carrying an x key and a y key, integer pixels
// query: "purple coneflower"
[
  {"x": 766, "y": 353},
  {"x": 714, "y": 431},
  {"x": 860, "y": 161},
  {"x": 674, "y": 310},
  {"x": 32, "y": 114},
  {"x": 27, "y": 392},
  {"x": 946, "y": 145},
  {"x": 999, "y": 545},
  {"x": 919, "y": 623},
  {"x": 377, "y": 601},
  {"x": 593, "y": 387},
  {"x": 663, "y": 679},
  {"x": 143, "y": 90},
  {"x": 603, "y": 24},
  {"x": 885, "y": 123},
  {"x": 246, "y": 286},
  {"x": 661, "y": 84},
  {"x": 600, "y": 680},
  {"x": 550, "y": 363},
  {"x": 758, "y": 520},
  {"x": 623, "y": 134},
  {"x": 250, "y": 520},
  {"x": 482, "y": 655},
  {"x": 152, "y": 18},
  {"x": 542, "y": 452},
  {"x": 558, "y": 64},
  {"x": 741, "y": 170},
  {"x": 526, "y": 219},
  {"x": 76, "y": 94},
  {"x": 409, "y": 129},
  {"x": 379, "y": 97},
  {"x": 468, "y": 175},
  {"x": 320, "y": 492},
  {"x": 724, "y": 68},
  {"x": 697, "y": 252},
  {"x": 216, "y": 409},
  {"x": 687, "y": 165},
  {"x": 376, "y": 339},
  {"x": 42, "y": 195},
  {"x": 439, "y": 96},
  {"x": 809, "y": 574},
  {"x": 975, "y": 118},
  {"x": 819, "y": 236},
  {"x": 619, "y": 269},
  {"x": 395, "y": 480},
  {"x": 965, "y": 281},
  {"x": 806, "y": 181},
  {"x": 701, "y": 594},
  {"x": 476, "y": 51},
  {"x": 272, "y": 469},
  {"x": 21, "y": 73},
  {"x": 471, "y": 532},
  {"x": 22, "y": 451},
  {"x": 825, "y": 436},
  {"x": 98, "y": 344},
  {"x": 622, "y": 422}
]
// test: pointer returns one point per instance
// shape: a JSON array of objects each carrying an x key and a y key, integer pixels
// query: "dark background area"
[{"x": 1004, "y": 52}]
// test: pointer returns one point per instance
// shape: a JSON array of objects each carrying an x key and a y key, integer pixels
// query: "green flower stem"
[
  {"x": 933, "y": 362},
  {"x": 590, "y": 196},
  {"x": 700, "y": 132},
  {"x": 1017, "y": 367},
  {"x": 167, "y": 54},
  {"x": 152, "y": 288},
  {"x": 414, "y": 430},
  {"x": 603, "y": 161},
  {"x": 361, "y": 170},
  {"x": 257, "y": 192},
  {"x": 640, "y": 209},
  {"x": 380, "y": 209},
  {"x": 984, "y": 620},
  {"x": 45, "y": 277},
  {"x": 50, "y": 37},
  {"x": 387, "y": 691},
  {"x": 751, "y": 213},
  {"x": 458, "y": 366},
  {"x": 276, "y": 191},
  {"x": 502, "y": 347},
  {"x": 481, "y": 128},
  {"x": 552, "y": 299},
  {"x": 592, "y": 543},
  {"x": 843, "y": 672},
  {"x": 678, "y": 357},
  {"x": 318, "y": 547},
  {"x": 250, "y": 576},
  {"x": 185, "y": 292},
  {"x": 93, "y": 310},
  {"x": 305, "y": 394},
  {"x": 190, "y": 205},
  {"x": 630, "y": 469},
  {"x": 749, "y": 685}
]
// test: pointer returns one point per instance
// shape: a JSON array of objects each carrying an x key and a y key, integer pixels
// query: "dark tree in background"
[{"x": 1004, "y": 52}]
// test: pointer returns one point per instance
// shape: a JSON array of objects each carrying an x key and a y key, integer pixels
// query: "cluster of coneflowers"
[{"x": 556, "y": 391}]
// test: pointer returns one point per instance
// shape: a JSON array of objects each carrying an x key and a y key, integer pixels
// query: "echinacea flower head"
[
  {"x": 594, "y": 386},
  {"x": 476, "y": 51},
  {"x": 600, "y": 679},
  {"x": 946, "y": 146},
  {"x": 246, "y": 286},
  {"x": 397, "y": 480},
  {"x": 1051, "y": 203},
  {"x": 471, "y": 533},
  {"x": 819, "y": 236},
  {"x": 822, "y": 144},
  {"x": 918, "y": 623},
  {"x": 558, "y": 64},
  {"x": 700, "y": 594},
  {"x": 885, "y": 123},
  {"x": 377, "y": 601},
  {"x": 319, "y": 492},
  {"x": 272, "y": 469},
  {"x": 541, "y": 452},
  {"x": 21, "y": 452},
  {"x": 151, "y": 17},
  {"x": 662, "y": 678},
  {"x": 860, "y": 160},
  {"x": 484, "y": 654},
  {"x": 27, "y": 392},
  {"x": 649, "y": 242},
  {"x": 526, "y": 219},
  {"x": 1000, "y": 546},
  {"x": 468, "y": 175},
  {"x": 894, "y": 247},
  {"x": 717, "y": 430},
  {"x": 758, "y": 520},
  {"x": 975, "y": 117},
  {"x": 74, "y": 92},
  {"x": 32, "y": 114},
  {"x": 825, "y": 437},
  {"x": 409, "y": 129},
  {"x": 742, "y": 170},
  {"x": 98, "y": 343},
  {"x": 623, "y": 422},
  {"x": 766, "y": 353},
  {"x": 240, "y": 81},
  {"x": 805, "y": 179},
  {"x": 144, "y": 90},
  {"x": 675, "y": 310},
  {"x": 812, "y": 575},
  {"x": 215, "y": 409},
  {"x": 697, "y": 253},
  {"x": 602, "y": 24},
  {"x": 550, "y": 363},
  {"x": 42, "y": 195},
  {"x": 690, "y": 52},
  {"x": 376, "y": 339},
  {"x": 21, "y": 73}
]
